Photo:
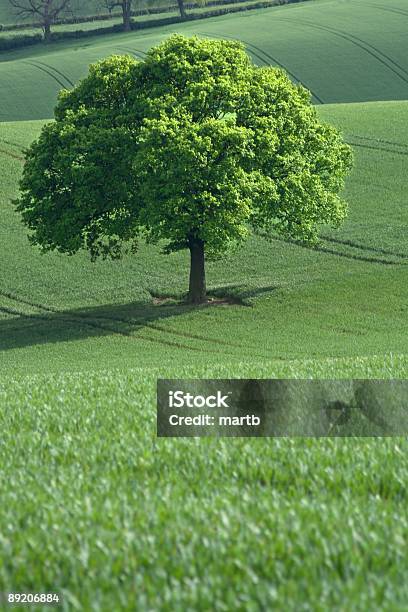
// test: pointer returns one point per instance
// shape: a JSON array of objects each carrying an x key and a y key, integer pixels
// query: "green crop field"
[
  {"x": 363, "y": 59},
  {"x": 93, "y": 505}
]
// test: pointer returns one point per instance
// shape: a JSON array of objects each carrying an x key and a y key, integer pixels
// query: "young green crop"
[{"x": 192, "y": 146}]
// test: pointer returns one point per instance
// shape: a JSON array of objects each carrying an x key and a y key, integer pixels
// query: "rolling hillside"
[
  {"x": 364, "y": 47},
  {"x": 97, "y": 508},
  {"x": 346, "y": 298}
]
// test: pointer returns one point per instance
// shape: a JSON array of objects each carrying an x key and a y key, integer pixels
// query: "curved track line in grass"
[
  {"x": 20, "y": 300},
  {"x": 88, "y": 323},
  {"x": 135, "y": 52},
  {"x": 56, "y": 71},
  {"x": 129, "y": 322},
  {"x": 267, "y": 63},
  {"x": 389, "y": 9},
  {"x": 376, "y": 53},
  {"x": 13, "y": 155},
  {"x": 379, "y": 140},
  {"x": 20, "y": 147},
  {"x": 46, "y": 72},
  {"x": 372, "y": 148},
  {"x": 17, "y": 313},
  {"x": 205, "y": 339},
  {"x": 363, "y": 247},
  {"x": 323, "y": 249},
  {"x": 84, "y": 320},
  {"x": 376, "y": 50}
]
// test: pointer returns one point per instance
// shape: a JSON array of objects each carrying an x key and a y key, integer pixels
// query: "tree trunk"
[
  {"x": 126, "y": 9},
  {"x": 182, "y": 9},
  {"x": 197, "y": 289},
  {"x": 47, "y": 31}
]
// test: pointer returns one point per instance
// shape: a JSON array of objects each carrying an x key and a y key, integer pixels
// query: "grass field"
[
  {"x": 118, "y": 19},
  {"x": 118, "y": 520},
  {"x": 98, "y": 508},
  {"x": 345, "y": 298},
  {"x": 364, "y": 50}
]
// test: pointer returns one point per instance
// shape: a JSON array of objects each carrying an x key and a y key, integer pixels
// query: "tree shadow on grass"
[{"x": 28, "y": 323}]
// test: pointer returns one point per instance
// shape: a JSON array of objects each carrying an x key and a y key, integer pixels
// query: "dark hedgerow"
[{"x": 15, "y": 42}]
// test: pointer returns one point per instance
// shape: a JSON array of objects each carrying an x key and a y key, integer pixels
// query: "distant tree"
[
  {"x": 182, "y": 9},
  {"x": 47, "y": 11},
  {"x": 192, "y": 148},
  {"x": 126, "y": 8}
]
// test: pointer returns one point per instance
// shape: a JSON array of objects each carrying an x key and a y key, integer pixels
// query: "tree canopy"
[{"x": 193, "y": 147}]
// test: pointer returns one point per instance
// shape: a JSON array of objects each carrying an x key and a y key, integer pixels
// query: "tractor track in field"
[
  {"x": 78, "y": 319},
  {"x": 64, "y": 76},
  {"x": 203, "y": 338},
  {"x": 323, "y": 249},
  {"x": 379, "y": 140},
  {"x": 379, "y": 55},
  {"x": 266, "y": 63},
  {"x": 81, "y": 319},
  {"x": 17, "y": 313},
  {"x": 363, "y": 247},
  {"x": 66, "y": 318},
  {"x": 63, "y": 85},
  {"x": 389, "y": 9},
  {"x": 373, "y": 148},
  {"x": 70, "y": 319},
  {"x": 13, "y": 144},
  {"x": 136, "y": 52},
  {"x": 13, "y": 155}
]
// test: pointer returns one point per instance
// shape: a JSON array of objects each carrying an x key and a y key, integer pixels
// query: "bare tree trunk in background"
[
  {"x": 126, "y": 10},
  {"x": 46, "y": 10},
  {"x": 182, "y": 10},
  {"x": 47, "y": 30}
]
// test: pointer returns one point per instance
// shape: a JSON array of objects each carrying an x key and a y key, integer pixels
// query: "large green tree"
[{"x": 194, "y": 147}]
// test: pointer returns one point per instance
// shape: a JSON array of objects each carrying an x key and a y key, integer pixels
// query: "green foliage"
[
  {"x": 194, "y": 142},
  {"x": 346, "y": 297}
]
